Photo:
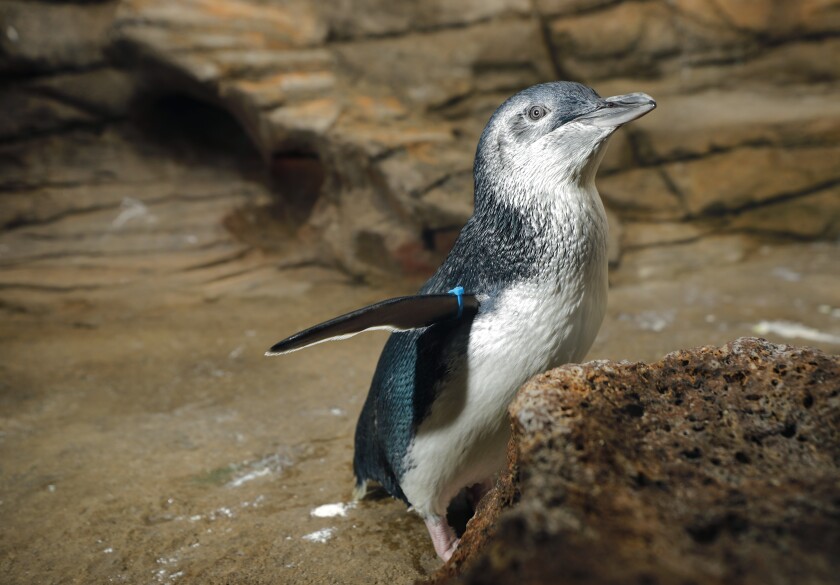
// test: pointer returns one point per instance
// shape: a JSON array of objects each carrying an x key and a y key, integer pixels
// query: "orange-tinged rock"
[
  {"x": 640, "y": 191},
  {"x": 700, "y": 123},
  {"x": 749, "y": 176}
]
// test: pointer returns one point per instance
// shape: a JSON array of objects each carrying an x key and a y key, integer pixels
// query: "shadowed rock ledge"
[{"x": 713, "y": 465}]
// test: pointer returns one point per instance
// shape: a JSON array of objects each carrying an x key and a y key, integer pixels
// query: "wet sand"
[{"x": 146, "y": 439}]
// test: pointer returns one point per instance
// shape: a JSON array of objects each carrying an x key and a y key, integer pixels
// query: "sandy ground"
[{"x": 145, "y": 438}]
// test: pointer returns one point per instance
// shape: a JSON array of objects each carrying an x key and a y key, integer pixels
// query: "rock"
[
  {"x": 362, "y": 117},
  {"x": 375, "y": 18},
  {"x": 275, "y": 89},
  {"x": 812, "y": 216},
  {"x": 46, "y": 36},
  {"x": 387, "y": 102},
  {"x": 740, "y": 179},
  {"x": 448, "y": 204},
  {"x": 704, "y": 123},
  {"x": 620, "y": 40},
  {"x": 795, "y": 62},
  {"x": 564, "y": 7},
  {"x": 299, "y": 121},
  {"x": 166, "y": 163},
  {"x": 641, "y": 192},
  {"x": 680, "y": 258},
  {"x": 671, "y": 40},
  {"x": 105, "y": 93},
  {"x": 104, "y": 202},
  {"x": 27, "y": 113},
  {"x": 431, "y": 71},
  {"x": 713, "y": 465},
  {"x": 648, "y": 234},
  {"x": 636, "y": 40},
  {"x": 778, "y": 21},
  {"x": 792, "y": 67},
  {"x": 70, "y": 100},
  {"x": 228, "y": 24},
  {"x": 620, "y": 153}
]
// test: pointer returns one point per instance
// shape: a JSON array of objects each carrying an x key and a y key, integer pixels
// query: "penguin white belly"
[{"x": 530, "y": 327}]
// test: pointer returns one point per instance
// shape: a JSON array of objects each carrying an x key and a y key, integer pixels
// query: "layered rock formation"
[
  {"x": 715, "y": 465},
  {"x": 151, "y": 151},
  {"x": 365, "y": 114}
]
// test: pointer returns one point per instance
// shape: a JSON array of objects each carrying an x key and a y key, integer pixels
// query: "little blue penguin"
[{"x": 524, "y": 289}]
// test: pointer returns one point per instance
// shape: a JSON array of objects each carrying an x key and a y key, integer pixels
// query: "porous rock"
[{"x": 713, "y": 465}]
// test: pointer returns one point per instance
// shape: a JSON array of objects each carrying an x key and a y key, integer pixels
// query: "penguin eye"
[{"x": 537, "y": 112}]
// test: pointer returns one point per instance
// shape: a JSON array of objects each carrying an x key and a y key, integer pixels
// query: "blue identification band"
[{"x": 458, "y": 291}]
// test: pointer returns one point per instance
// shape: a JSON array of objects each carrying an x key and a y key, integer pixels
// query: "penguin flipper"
[{"x": 399, "y": 314}]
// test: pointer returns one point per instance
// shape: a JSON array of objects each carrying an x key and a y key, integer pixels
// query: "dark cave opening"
[
  {"x": 195, "y": 130},
  {"x": 199, "y": 132}
]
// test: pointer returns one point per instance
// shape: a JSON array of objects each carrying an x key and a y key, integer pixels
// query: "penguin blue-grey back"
[{"x": 533, "y": 260}]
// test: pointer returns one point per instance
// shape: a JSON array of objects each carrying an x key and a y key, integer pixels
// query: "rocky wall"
[{"x": 366, "y": 114}]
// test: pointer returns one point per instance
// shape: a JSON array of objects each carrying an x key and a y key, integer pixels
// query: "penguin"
[{"x": 523, "y": 290}]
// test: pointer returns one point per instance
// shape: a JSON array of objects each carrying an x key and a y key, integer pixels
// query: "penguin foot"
[{"x": 443, "y": 537}]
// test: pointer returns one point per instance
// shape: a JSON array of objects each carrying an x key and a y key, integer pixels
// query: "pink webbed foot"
[{"x": 443, "y": 537}]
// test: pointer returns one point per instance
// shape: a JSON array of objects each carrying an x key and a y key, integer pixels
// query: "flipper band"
[{"x": 458, "y": 291}]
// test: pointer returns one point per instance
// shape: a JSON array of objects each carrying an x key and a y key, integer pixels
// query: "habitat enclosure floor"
[{"x": 145, "y": 438}]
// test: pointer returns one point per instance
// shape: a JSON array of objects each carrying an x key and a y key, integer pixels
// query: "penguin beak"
[{"x": 620, "y": 109}]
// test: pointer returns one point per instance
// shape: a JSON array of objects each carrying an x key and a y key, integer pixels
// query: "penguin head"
[{"x": 551, "y": 134}]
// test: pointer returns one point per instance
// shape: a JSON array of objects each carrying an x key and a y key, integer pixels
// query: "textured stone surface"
[
  {"x": 698, "y": 124},
  {"x": 167, "y": 168},
  {"x": 677, "y": 259},
  {"x": 713, "y": 465},
  {"x": 135, "y": 385},
  {"x": 740, "y": 179},
  {"x": 659, "y": 40},
  {"x": 641, "y": 193},
  {"x": 390, "y": 100},
  {"x": 45, "y": 36},
  {"x": 814, "y": 215}
]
